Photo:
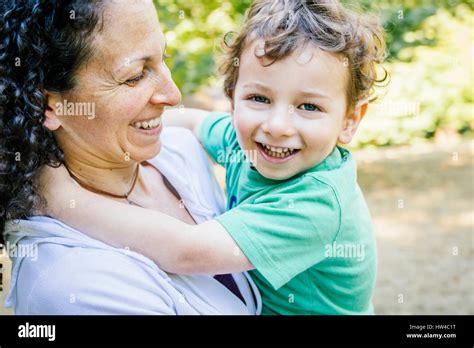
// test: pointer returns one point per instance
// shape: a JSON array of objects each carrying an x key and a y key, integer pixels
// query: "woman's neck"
[{"x": 114, "y": 178}]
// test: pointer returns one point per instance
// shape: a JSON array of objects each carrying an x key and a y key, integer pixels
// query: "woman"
[{"x": 86, "y": 85}]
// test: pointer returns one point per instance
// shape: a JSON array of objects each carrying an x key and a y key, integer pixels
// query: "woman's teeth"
[
  {"x": 279, "y": 152},
  {"x": 151, "y": 124}
]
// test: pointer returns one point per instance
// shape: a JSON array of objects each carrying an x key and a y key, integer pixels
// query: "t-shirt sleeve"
[
  {"x": 288, "y": 231},
  {"x": 217, "y": 136}
]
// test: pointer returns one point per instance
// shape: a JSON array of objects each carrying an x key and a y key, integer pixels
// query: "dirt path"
[{"x": 422, "y": 199}]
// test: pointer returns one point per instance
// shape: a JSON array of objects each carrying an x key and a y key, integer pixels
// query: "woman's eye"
[
  {"x": 260, "y": 99},
  {"x": 309, "y": 107},
  {"x": 135, "y": 80}
]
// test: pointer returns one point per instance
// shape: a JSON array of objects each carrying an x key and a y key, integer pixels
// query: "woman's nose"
[{"x": 166, "y": 91}]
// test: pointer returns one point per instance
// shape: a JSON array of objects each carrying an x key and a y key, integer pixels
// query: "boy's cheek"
[
  {"x": 244, "y": 133},
  {"x": 240, "y": 122}
]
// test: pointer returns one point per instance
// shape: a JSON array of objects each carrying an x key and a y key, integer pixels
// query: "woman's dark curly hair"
[{"x": 42, "y": 45}]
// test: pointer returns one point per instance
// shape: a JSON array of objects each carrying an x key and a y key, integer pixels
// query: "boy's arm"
[
  {"x": 189, "y": 118},
  {"x": 173, "y": 245}
]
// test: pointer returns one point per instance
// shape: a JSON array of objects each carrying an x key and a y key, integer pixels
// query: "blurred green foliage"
[
  {"x": 430, "y": 45},
  {"x": 431, "y": 89},
  {"x": 194, "y": 30}
]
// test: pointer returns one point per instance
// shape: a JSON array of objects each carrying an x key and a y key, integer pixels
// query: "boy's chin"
[{"x": 276, "y": 174}]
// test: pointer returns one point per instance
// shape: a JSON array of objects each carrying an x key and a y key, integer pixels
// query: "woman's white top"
[{"x": 59, "y": 270}]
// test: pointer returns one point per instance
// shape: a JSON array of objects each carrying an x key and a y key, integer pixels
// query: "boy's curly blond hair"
[{"x": 285, "y": 25}]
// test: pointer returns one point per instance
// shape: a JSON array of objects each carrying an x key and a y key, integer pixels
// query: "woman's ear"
[
  {"x": 51, "y": 120},
  {"x": 352, "y": 120}
]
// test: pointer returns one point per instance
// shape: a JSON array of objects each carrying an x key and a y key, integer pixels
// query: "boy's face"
[{"x": 292, "y": 112}]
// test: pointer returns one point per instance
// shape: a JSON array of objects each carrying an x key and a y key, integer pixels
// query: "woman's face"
[{"x": 121, "y": 89}]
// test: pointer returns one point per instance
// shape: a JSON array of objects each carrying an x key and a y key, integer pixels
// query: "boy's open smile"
[{"x": 274, "y": 154}]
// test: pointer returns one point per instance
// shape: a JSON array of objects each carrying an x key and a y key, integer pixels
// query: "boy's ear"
[
  {"x": 351, "y": 121},
  {"x": 51, "y": 120}
]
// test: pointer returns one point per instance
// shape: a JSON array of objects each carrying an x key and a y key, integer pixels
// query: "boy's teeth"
[
  {"x": 278, "y": 152},
  {"x": 277, "y": 149}
]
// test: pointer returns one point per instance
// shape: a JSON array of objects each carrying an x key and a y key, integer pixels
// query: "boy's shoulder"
[
  {"x": 338, "y": 171},
  {"x": 218, "y": 137}
]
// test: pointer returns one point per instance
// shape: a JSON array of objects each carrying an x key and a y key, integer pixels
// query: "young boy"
[{"x": 299, "y": 76}]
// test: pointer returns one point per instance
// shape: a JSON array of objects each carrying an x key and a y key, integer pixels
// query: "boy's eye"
[
  {"x": 132, "y": 82},
  {"x": 259, "y": 99},
  {"x": 309, "y": 107}
]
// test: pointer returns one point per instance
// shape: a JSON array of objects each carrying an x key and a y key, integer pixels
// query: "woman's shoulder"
[
  {"x": 64, "y": 279},
  {"x": 53, "y": 265}
]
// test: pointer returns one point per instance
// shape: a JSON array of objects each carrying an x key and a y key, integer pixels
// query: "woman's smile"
[
  {"x": 146, "y": 132},
  {"x": 148, "y": 123},
  {"x": 148, "y": 127},
  {"x": 150, "y": 130}
]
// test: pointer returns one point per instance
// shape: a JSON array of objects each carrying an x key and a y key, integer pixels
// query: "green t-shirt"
[{"x": 309, "y": 237}]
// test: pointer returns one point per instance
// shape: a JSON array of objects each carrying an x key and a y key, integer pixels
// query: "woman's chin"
[
  {"x": 145, "y": 153},
  {"x": 144, "y": 145}
]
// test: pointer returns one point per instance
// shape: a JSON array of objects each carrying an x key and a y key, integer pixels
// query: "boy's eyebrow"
[
  {"x": 306, "y": 93},
  {"x": 315, "y": 94},
  {"x": 257, "y": 85}
]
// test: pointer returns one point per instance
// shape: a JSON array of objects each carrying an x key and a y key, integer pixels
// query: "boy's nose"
[{"x": 279, "y": 125}]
